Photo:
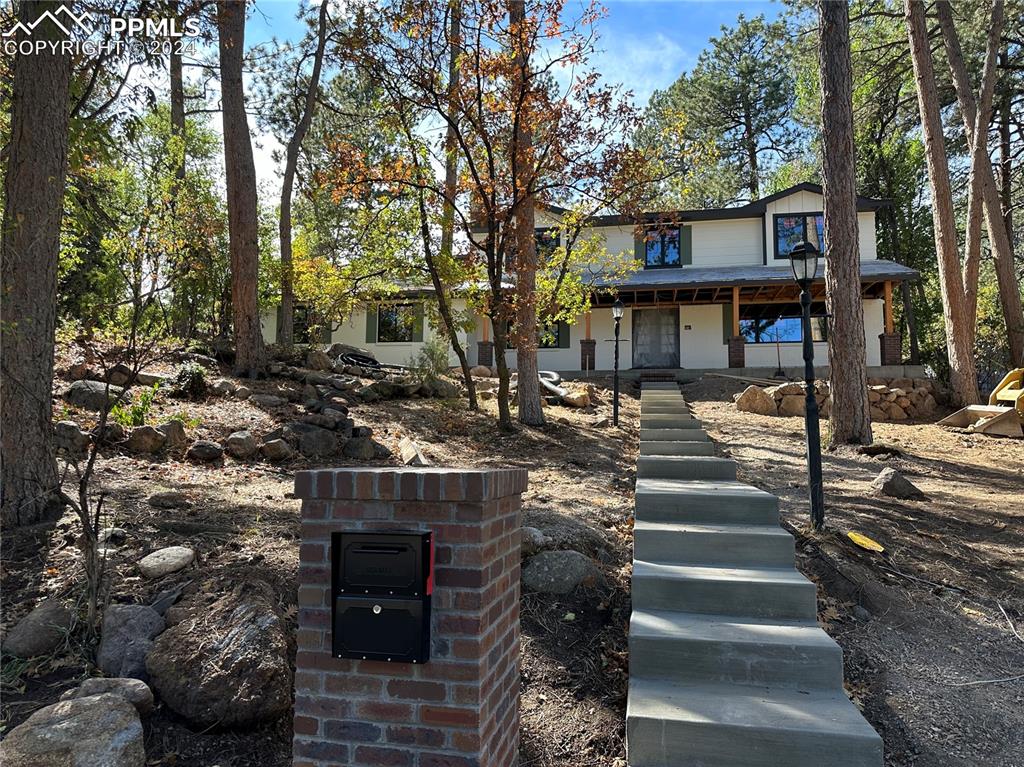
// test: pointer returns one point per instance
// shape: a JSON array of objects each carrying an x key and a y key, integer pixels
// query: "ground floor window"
[
  {"x": 397, "y": 323},
  {"x": 770, "y": 330}
]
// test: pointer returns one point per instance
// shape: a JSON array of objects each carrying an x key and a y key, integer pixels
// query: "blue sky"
[{"x": 644, "y": 44}]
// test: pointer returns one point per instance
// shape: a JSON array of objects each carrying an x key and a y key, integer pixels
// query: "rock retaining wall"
[{"x": 895, "y": 399}]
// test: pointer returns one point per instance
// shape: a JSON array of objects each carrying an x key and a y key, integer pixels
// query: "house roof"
[
  {"x": 690, "y": 277},
  {"x": 753, "y": 209}
]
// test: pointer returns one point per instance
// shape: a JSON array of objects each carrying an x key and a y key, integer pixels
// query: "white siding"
[
  {"x": 701, "y": 337},
  {"x": 733, "y": 242},
  {"x": 866, "y": 236}
]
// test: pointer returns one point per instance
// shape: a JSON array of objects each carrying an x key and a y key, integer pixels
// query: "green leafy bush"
[
  {"x": 432, "y": 358},
  {"x": 136, "y": 412},
  {"x": 190, "y": 381}
]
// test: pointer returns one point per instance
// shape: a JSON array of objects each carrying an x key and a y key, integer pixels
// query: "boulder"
[
  {"x": 241, "y": 444},
  {"x": 902, "y": 383},
  {"x": 126, "y": 636},
  {"x": 410, "y": 452},
  {"x": 318, "y": 360},
  {"x": 367, "y": 393},
  {"x": 343, "y": 383},
  {"x": 112, "y": 432},
  {"x": 443, "y": 388},
  {"x": 873, "y": 396},
  {"x": 893, "y": 484},
  {"x": 243, "y": 392},
  {"x": 120, "y": 373},
  {"x": 276, "y": 450},
  {"x": 223, "y": 386},
  {"x": 69, "y": 438},
  {"x": 225, "y": 663},
  {"x": 576, "y": 398},
  {"x": 93, "y": 731},
  {"x": 788, "y": 389},
  {"x": 145, "y": 439},
  {"x": 353, "y": 370},
  {"x": 166, "y": 560},
  {"x": 309, "y": 393},
  {"x": 754, "y": 399},
  {"x": 92, "y": 395},
  {"x": 174, "y": 430},
  {"x": 896, "y": 413},
  {"x": 267, "y": 400},
  {"x": 312, "y": 441},
  {"x": 360, "y": 448},
  {"x": 533, "y": 540},
  {"x": 41, "y": 631},
  {"x": 877, "y": 414},
  {"x": 480, "y": 371},
  {"x": 135, "y": 691},
  {"x": 170, "y": 499},
  {"x": 559, "y": 572},
  {"x": 793, "y": 404},
  {"x": 205, "y": 450},
  {"x": 928, "y": 405}
]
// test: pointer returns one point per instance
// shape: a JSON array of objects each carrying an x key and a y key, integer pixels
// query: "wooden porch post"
[
  {"x": 737, "y": 344},
  {"x": 484, "y": 347},
  {"x": 888, "y": 307},
  {"x": 889, "y": 341}
]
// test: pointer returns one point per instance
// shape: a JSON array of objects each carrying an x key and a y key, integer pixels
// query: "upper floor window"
[
  {"x": 547, "y": 241},
  {"x": 790, "y": 230},
  {"x": 661, "y": 248}
]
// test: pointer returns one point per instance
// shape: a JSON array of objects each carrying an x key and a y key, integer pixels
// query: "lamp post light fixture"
[
  {"x": 618, "y": 309},
  {"x": 803, "y": 259}
]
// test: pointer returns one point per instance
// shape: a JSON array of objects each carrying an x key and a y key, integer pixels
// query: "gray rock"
[
  {"x": 205, "y": 450},
  {"x": 225, "y": 663},
  {"x": 381, "y": 451},
  {"x": 443, "y": 388},
  {"x": 69, "y": 438},
  {"x": 318, "y": 360},
  {"x": 861, "y": 613},
  {"x": 92, "y": 395},
  {"x": 793, "y": 404},
  {"x": 112, "y": 432},
  {"x": 533, "y": 540},
  {"x": 893, "y": 484},
  {"x": 145, "y": 439},
  {"x": 276, "y": 450},
  {"x": 343, "y": 383},
  {"x": 169, "y": 499},
  {"x": 174, "y": 430},
  {"x": 312, "y": 441},
  {"x": 559, "y": 572},
  {"x": 360, "y": 448},
  {"x": 113, "y": 535},
  {"x": 41, "y": 631},
  {"x": 126, "y": 636},
  {"x": 94, "y": 731},
  {"x": 243, "y": 392},
  {"x": 267, "y": 400},
  {"x": 316, "y": 378},
  {"x": 223, "y": 386},
  {"x": 309, "y": 393},
  {"x": 166, "y": 560},
  {"x": 354, "y": 370},
  {"x": 754, "y": 399},
  {"x": 241, "y": 444},
  {"x": 367, "y": 393},
  {"x": 135, "y": 691}
]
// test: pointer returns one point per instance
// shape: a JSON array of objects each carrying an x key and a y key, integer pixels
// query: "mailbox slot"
[{"x": 381, "y": 584}]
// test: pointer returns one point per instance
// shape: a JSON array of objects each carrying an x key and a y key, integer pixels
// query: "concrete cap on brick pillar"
[{"x": 410, "y": 484}]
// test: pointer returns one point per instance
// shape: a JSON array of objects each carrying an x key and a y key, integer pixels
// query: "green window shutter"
[
  {"x": 325, "y": 333},
  {"x": 371, "y": 325},
  {"x": 417, "y": 323},
  {"x": 726, "y": 322},
  {"x": 563, "y": 335},
  {"x": 686, "y": 245}
]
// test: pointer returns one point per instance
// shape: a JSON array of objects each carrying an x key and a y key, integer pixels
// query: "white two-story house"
[{"x": 713, "y": 290}]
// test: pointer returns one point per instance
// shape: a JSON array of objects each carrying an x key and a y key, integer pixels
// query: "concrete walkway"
[{"x": 728, "y": 667}]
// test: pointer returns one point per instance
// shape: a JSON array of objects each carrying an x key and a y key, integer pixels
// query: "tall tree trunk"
[
  {"x": 177, "y": 82},
  {"x": 1005, "y": 151},
  {"x": 530, "y": 411},
  {"x": 451, "y": 178},
  {"x": 976, "y": 114},
  {"x": 29, "y": 248},
  {"x": 243, "y": 222},
  {"x": 851, "y": 411},
  {"x": 963, "y": 373},
  {"x": 286, "y": 329}
]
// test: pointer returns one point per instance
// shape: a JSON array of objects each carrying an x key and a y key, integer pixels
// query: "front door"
[{"x": 656, "y": 338}]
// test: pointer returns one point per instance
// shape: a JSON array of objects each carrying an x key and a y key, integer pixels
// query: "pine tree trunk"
[
  {"x": 29, "y": 249},
  {"x": 243, "y": 222},
  {"x": 984, "y": 194},
  {"x": 851, "y": 411},
  {"x": 963, "y": 373},
  {"x": 286, "y": 329},
  {"x": 530, "y": 411}
]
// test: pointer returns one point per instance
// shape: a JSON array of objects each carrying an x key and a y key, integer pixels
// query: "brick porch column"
[
  {"x": 737, "y": 352},
  {"x": 485, "y": 353},
  {"x": 460, "y": 708},
  {"x": 892, "y": 351},
  {"x": 588, "y": 353}
]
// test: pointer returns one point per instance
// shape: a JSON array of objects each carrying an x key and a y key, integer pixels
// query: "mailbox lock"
[{"x": 376, "y": 609}]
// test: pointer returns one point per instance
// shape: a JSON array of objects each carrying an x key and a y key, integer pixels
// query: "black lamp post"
[
  {"x": 804, "y": 261},
  {"x": 618, "y": 309}
]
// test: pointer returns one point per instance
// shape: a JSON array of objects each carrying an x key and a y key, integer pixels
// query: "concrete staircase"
[{"x": 728, "y": 667}]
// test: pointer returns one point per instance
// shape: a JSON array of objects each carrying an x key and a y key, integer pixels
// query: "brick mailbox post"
[{"x": 461, "y": 707}]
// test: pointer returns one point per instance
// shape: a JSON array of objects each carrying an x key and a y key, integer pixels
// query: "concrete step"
[
  {"x": 658, "y": 408},
  {"x": 668, "y": 421},
  {"x": 688, "y": 647},
  {"x": 716, "y": 503},
  {"x": 677, "y": 448},
  {"x": 685, "y": 467},
  {"x": 754, "y": 592},
  {"x": 696, "y": 434},
  {"x": 723, "y": 545},
  {"x": 657, "y": 396},
  {"x": 709, "y": 725},
  {"x": 659, "y": 386}
]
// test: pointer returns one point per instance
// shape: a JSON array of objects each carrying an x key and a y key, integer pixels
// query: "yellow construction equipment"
[{"x": 1004, "y": 413}]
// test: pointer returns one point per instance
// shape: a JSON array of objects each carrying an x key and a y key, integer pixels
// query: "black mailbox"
[{"x": 381, "y": 583}]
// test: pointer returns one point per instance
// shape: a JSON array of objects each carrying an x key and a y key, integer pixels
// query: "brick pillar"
[
  {"x": 588, "y": 353},
  {"x": 737, "y": 351},
  {"x": 460, "y": 708},
  {"x": 892, "y": 351},
  {"x": 485, "y": 353}
]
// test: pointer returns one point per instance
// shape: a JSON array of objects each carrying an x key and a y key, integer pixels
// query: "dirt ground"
[
  {"x": 945, "y": 601},
  {"x": 941, "y": 603}
]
